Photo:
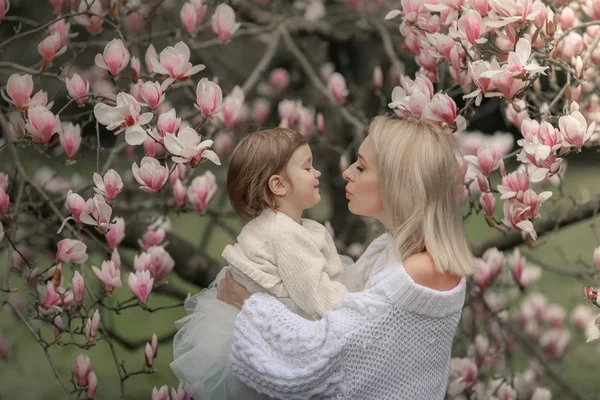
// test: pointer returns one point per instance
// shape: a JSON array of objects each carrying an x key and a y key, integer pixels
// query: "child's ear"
[{"x": 277, "y": 185}]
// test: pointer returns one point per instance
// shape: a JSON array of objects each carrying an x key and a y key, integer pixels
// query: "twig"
[
  {"x": 359, "y": 126},
  {"x": 263, "y": 64},
  {"x": 388, "y": 46},
  {"x": 44, "y": 348}
]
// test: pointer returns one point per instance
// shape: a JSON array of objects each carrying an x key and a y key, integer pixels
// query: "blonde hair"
[
  {"x": 420, "y": 192},
  {"x": 254, "y": 160}
]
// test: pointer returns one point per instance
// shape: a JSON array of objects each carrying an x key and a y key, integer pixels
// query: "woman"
[{"x": 393, "y": 339}]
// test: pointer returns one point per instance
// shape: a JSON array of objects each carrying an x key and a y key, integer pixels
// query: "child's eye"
[{"x": 360, "y": 169}]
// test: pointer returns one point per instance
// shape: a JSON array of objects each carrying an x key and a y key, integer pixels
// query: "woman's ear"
[{"x": 277, "y": 185}]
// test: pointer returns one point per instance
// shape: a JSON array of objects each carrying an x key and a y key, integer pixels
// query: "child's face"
[{"x": 304, "y": 179}]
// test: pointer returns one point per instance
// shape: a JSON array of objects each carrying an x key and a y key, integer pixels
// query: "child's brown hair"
[{"x": 254, "y": 160}]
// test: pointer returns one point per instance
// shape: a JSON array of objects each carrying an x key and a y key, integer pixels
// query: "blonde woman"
[{"x": 392, "y": 339}]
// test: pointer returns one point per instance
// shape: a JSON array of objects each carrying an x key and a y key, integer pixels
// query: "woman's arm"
[{"x": 282, "y": 354}]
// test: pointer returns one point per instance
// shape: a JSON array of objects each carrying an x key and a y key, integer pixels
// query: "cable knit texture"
[
  {"x": 390, "y": 341},
  {"x": 288, "y": 259}
]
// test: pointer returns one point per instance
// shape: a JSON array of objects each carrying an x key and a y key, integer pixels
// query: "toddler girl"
[{"x": 270, "y": 181}]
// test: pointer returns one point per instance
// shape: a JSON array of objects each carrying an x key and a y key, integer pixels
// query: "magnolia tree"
[{"x": 136, "y": 89}]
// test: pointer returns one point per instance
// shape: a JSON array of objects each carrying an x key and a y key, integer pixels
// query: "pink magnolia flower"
[
  {"x": 150, "y": 174},
  {"x": 201, "y": 190},
  {"x": 463, "y": 376},
  {"x": 488, "y": 203},
  {"x": 140, "y": 284},
  {"x": 484, "y": 274},
  {"x": 152, "y": 94},
  {"x": 96, "y": 213},
  {"x": 92, "y": 21},
  {"x": 109, "y": 186},
  {"x": 83, "y": 367},
  {"x": 135, "y": 69},
  {"x": 179, "y": 193},
  {"x": 153, "y": 238},
  {"x": 223, "y": 144},
  {"x": 377, "y": 77},
  {"x": 477, "y": 70},
  {"x": 18, "y": 90},
  {"x": 125, "y": 115},
  {"x": 58, "y": 5},
  {"x": 487, "y": 160},
  {"x": 116, "y": 258},
  {"x": 92, "y": 385},
  {"x": 116, "y": 234},
  {"x": 471, "y": 27},
  {"x": 160, "y": 394},
  {"x": 153, "y": 147},
  {"x": 223, "y": 22},
  {"x": 514, "y": 185},
  {"x": 441, "y": 109},
  {"x": 187, "y": 147},
  {"x": 4, "y": 7},
  {"x": 70, "y": 140},
  {"x": 581, "y": 316},
  {"x": 150, "y": 55},
  {"x": 4, "y": 202},
  {"x": 143, "y": 262},
  {"x": 320, "y": 123},
  {"x": 162, "y": 262},
  {"x": 337, "y": 87},
  {"x": 555, "y": 316},
  {"x": 168, "y": 123},
  {"x": 279, "y": 79},
  {"x": 200, "y": 7},
  {"x": 174, "y": 61},
  {"x": 114, "y": 58},
  {"x": 574, "y": 129},
  {"x": 411, "y": 98},
  {"x": 508, "y": 85},
  {"x": 71, "y": 250},
  {"x": 154, "y": 344},
  {"x": 233, "y": 112},
  {"x": 51, "y": 47},
  {"x": 75, "y": 204},
  {"x": 149, "y": 356},
  {"x": 52, "y": 300},
  {"x": 77, "y": 88},
  {"x": 42, "y": 124},
  {"x": 189, "y": 18},
  {"x": 78, "y": 286},
  {"x": 518, "y": 61},
  {"x": 91, "y": 328},
  {"x": 3, "y": 181},
  {"x": 62, "y": 28},
  {"x": 208, "y": 97},
  {"x": 180, "y": 393},
  {"x": 109, "y": 274},
  {"x": 58, "y": 326},
  {"x": 555, "y": 341}
]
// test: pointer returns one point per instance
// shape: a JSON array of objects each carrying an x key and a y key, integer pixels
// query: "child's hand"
[{"x": 231, "y": 292}]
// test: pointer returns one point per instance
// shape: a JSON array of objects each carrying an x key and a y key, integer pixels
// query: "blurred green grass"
[{"x": 26, "y": 374}]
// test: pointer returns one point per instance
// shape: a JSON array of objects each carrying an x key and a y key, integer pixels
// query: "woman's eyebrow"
[{"x": 362, "y": 158}]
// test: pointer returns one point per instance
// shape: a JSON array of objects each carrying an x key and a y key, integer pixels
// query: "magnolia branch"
[
  {"x": 542, "y": 227},
  {"x": 359, "y": 126}
]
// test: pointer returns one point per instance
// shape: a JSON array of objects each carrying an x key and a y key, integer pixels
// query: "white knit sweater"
[
  {"x": 298, "y": 263},
  {"x": 391, "y": 341}
]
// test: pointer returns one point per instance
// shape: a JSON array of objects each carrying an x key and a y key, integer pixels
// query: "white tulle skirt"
[{"x": 201, "y": 349}]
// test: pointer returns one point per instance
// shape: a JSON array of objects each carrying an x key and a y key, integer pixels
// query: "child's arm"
[{"x": 301, "y": 267}]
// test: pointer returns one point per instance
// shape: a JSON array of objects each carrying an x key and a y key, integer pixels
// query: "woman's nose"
[{"x": 346, "y": 174}]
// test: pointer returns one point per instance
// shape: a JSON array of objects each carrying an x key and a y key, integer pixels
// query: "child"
[{"x": 270, "y": 181}]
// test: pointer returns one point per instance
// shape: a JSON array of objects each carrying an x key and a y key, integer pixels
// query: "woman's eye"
[{"x": 360, "y": 169}]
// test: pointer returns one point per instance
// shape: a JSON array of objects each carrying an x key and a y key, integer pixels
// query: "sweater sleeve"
[
  {"x": 283, "y": 355},
  {"x": 301, "y": 266}
]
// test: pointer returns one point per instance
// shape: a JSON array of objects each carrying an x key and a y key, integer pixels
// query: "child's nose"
[{"x": 317, "y": 173}]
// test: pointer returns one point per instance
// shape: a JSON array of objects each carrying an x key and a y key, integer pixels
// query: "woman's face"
[{"x": 362, "y": 189}]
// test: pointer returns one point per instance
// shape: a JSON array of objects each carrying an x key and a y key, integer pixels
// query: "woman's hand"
[{"x": 229, "y": 291}]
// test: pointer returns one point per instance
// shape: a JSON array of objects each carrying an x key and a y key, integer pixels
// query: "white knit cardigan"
[
  {"x": 298, "y": 263},
  {"x": 390, "y": 341}
]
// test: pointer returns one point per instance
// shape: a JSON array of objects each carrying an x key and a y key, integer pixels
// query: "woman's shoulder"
[{"x": 421, "y": 268}]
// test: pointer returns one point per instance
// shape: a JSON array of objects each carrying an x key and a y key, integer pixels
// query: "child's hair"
[
  {"x": 420, "y": 189},
  {"x": 254, "y": 160}
]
